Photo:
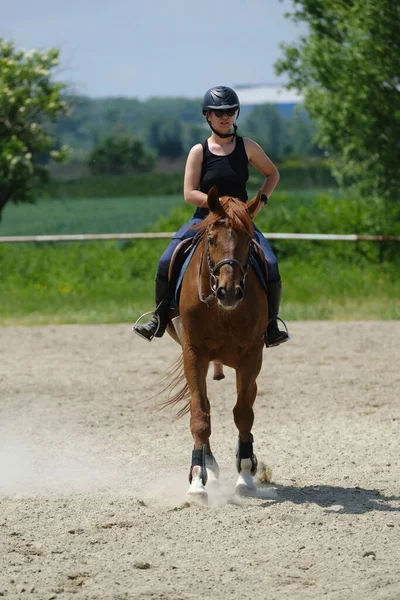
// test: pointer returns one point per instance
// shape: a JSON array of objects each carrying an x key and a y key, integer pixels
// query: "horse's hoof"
[
  {"x": 245, "y": 485},
  {"x": 219, "y": 377},
  {"x": 244, "y": 490},
  {"x": 197, "y": 491},
  {"x": 200, "y": 498},
  {"x": 198, "y": 495},
  {"x": 218, "y": 371}
]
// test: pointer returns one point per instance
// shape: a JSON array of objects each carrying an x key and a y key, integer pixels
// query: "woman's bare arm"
[
  {"x": 191, "y": 180},
  {"x": 260, "y": 161}
]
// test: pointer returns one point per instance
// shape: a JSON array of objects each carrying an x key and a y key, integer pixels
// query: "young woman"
[{"x": 221, "y": 160}]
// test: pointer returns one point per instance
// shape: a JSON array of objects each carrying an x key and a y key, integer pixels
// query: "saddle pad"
[
  {"x": 257, "y": 269},
  {"x": 178, "y": 286}
]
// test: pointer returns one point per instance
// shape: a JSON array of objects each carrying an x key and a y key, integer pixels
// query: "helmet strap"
[{"x": 224, "y": 135}]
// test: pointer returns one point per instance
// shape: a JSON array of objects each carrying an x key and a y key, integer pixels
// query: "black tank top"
[{"x": 229, "y": 173}]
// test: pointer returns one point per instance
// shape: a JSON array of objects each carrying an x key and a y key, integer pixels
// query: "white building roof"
[{"x": 266, "y": 94}]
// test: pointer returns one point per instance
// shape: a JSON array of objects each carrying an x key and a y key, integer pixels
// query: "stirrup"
[
  {"x": 148, "y": 339},
  {"x": 268, "y": 343}
]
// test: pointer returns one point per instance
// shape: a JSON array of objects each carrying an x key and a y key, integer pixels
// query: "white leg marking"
[
  {"x": 197, "y": 490},
  {"x": 212, "y": 476},
  {"x": 245, "y": 484}
]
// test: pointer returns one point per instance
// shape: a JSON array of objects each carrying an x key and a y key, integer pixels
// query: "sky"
[{"x": 145, "y": 48}]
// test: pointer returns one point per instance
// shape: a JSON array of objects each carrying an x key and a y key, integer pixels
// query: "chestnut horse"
[{"x": 224, "y": 315}]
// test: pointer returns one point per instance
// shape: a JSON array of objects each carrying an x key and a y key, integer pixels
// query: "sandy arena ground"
[{"x": 93, "y": 479}]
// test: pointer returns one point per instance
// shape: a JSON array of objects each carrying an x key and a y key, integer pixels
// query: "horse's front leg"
[
  {"x": 246, "y": 461},
  {"x": 196, "y": 365}
]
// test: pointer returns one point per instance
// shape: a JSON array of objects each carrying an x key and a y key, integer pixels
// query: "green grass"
[
  {"x": 303, "y": 176},
  {"x": 85, "y": 215},
  {"x": 110, "y": 282},
  {"x": 130, "y": 214},
  {"x": 336, "y": 290},
  {"x": 106, "y": 186}
]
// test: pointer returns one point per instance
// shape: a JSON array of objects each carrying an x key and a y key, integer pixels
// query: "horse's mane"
[{"x": 236, "y": 216}]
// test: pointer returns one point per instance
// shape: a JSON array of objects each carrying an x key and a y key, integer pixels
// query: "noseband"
[{"x": 214, "y": 271}]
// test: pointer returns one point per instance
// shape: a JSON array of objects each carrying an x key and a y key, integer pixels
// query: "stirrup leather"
[{"x": 134, "y": 329}]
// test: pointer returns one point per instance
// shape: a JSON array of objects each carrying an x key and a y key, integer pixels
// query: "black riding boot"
[
  {"x": 274, "y": 336},
  {"x": 157, "y": 325}
]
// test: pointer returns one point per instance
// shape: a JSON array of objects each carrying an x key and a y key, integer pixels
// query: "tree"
[
  {"x": 193, "y": 133},
  {"x": 300, "y": 135},
  {"x": 348, "y": 67},
  {"x": 115, "y": 155},
  {"x": 165, "y": 136},
  {"x": 265, "y": 124},
  {"x": 29, "y": 100}
]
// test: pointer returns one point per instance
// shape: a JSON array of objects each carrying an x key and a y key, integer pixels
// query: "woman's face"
[{"x": 221, "y": 120}]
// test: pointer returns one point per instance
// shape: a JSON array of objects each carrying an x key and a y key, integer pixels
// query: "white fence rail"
[{"x": 87, "y": 237}]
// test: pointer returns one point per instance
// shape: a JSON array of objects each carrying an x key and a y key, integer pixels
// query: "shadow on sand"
[{"x": 340, "y": 500}]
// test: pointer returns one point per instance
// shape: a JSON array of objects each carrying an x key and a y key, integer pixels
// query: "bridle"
[{"x": 215, "y": 268}]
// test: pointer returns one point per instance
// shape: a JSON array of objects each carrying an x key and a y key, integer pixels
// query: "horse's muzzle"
[{"x": 229, "y": 297}]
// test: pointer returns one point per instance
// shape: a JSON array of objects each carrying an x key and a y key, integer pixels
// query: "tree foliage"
[
  {"x": 171, "y": 126},
  {"x": 29, "y": 100},
  {"x": 92, "y": 119},
  {"x": 348, "y": 67},
  {"x": 281, "y": 137},
  {"x": 266, "y": 124},
  {"x": 115, "y": 155},
  {"x": 166, "y": 137}
]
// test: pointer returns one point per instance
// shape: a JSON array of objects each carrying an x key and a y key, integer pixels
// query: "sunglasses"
[{"x": 229, "y": 112}]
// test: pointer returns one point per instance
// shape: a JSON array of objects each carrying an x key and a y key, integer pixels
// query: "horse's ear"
[
  {"x": 253, "y": 204},
  {"x": 213, "y": 201}
]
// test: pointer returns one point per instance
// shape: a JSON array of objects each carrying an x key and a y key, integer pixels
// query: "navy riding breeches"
[
  {"x": 185, "y": 232},
  {"x": 273, "y": 270}
]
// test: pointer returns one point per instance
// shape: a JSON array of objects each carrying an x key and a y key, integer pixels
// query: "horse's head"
[{"x": 229, "y": 230}]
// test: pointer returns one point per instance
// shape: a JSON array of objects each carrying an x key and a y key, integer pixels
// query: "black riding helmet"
[{"x": 221, "y": 98}]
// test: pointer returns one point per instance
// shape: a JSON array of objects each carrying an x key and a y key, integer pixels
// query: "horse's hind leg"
[
  {"x": 196, "y": 368},
  {"x": 246, "y": 461},
  {"x": 218, "y": 370}
]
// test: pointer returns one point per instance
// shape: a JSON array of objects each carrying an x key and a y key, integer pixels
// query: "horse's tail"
[{"x": 173, "y": 379}]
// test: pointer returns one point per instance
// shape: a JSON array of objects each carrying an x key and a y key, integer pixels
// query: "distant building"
[{"x": 263, "y": 93}]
